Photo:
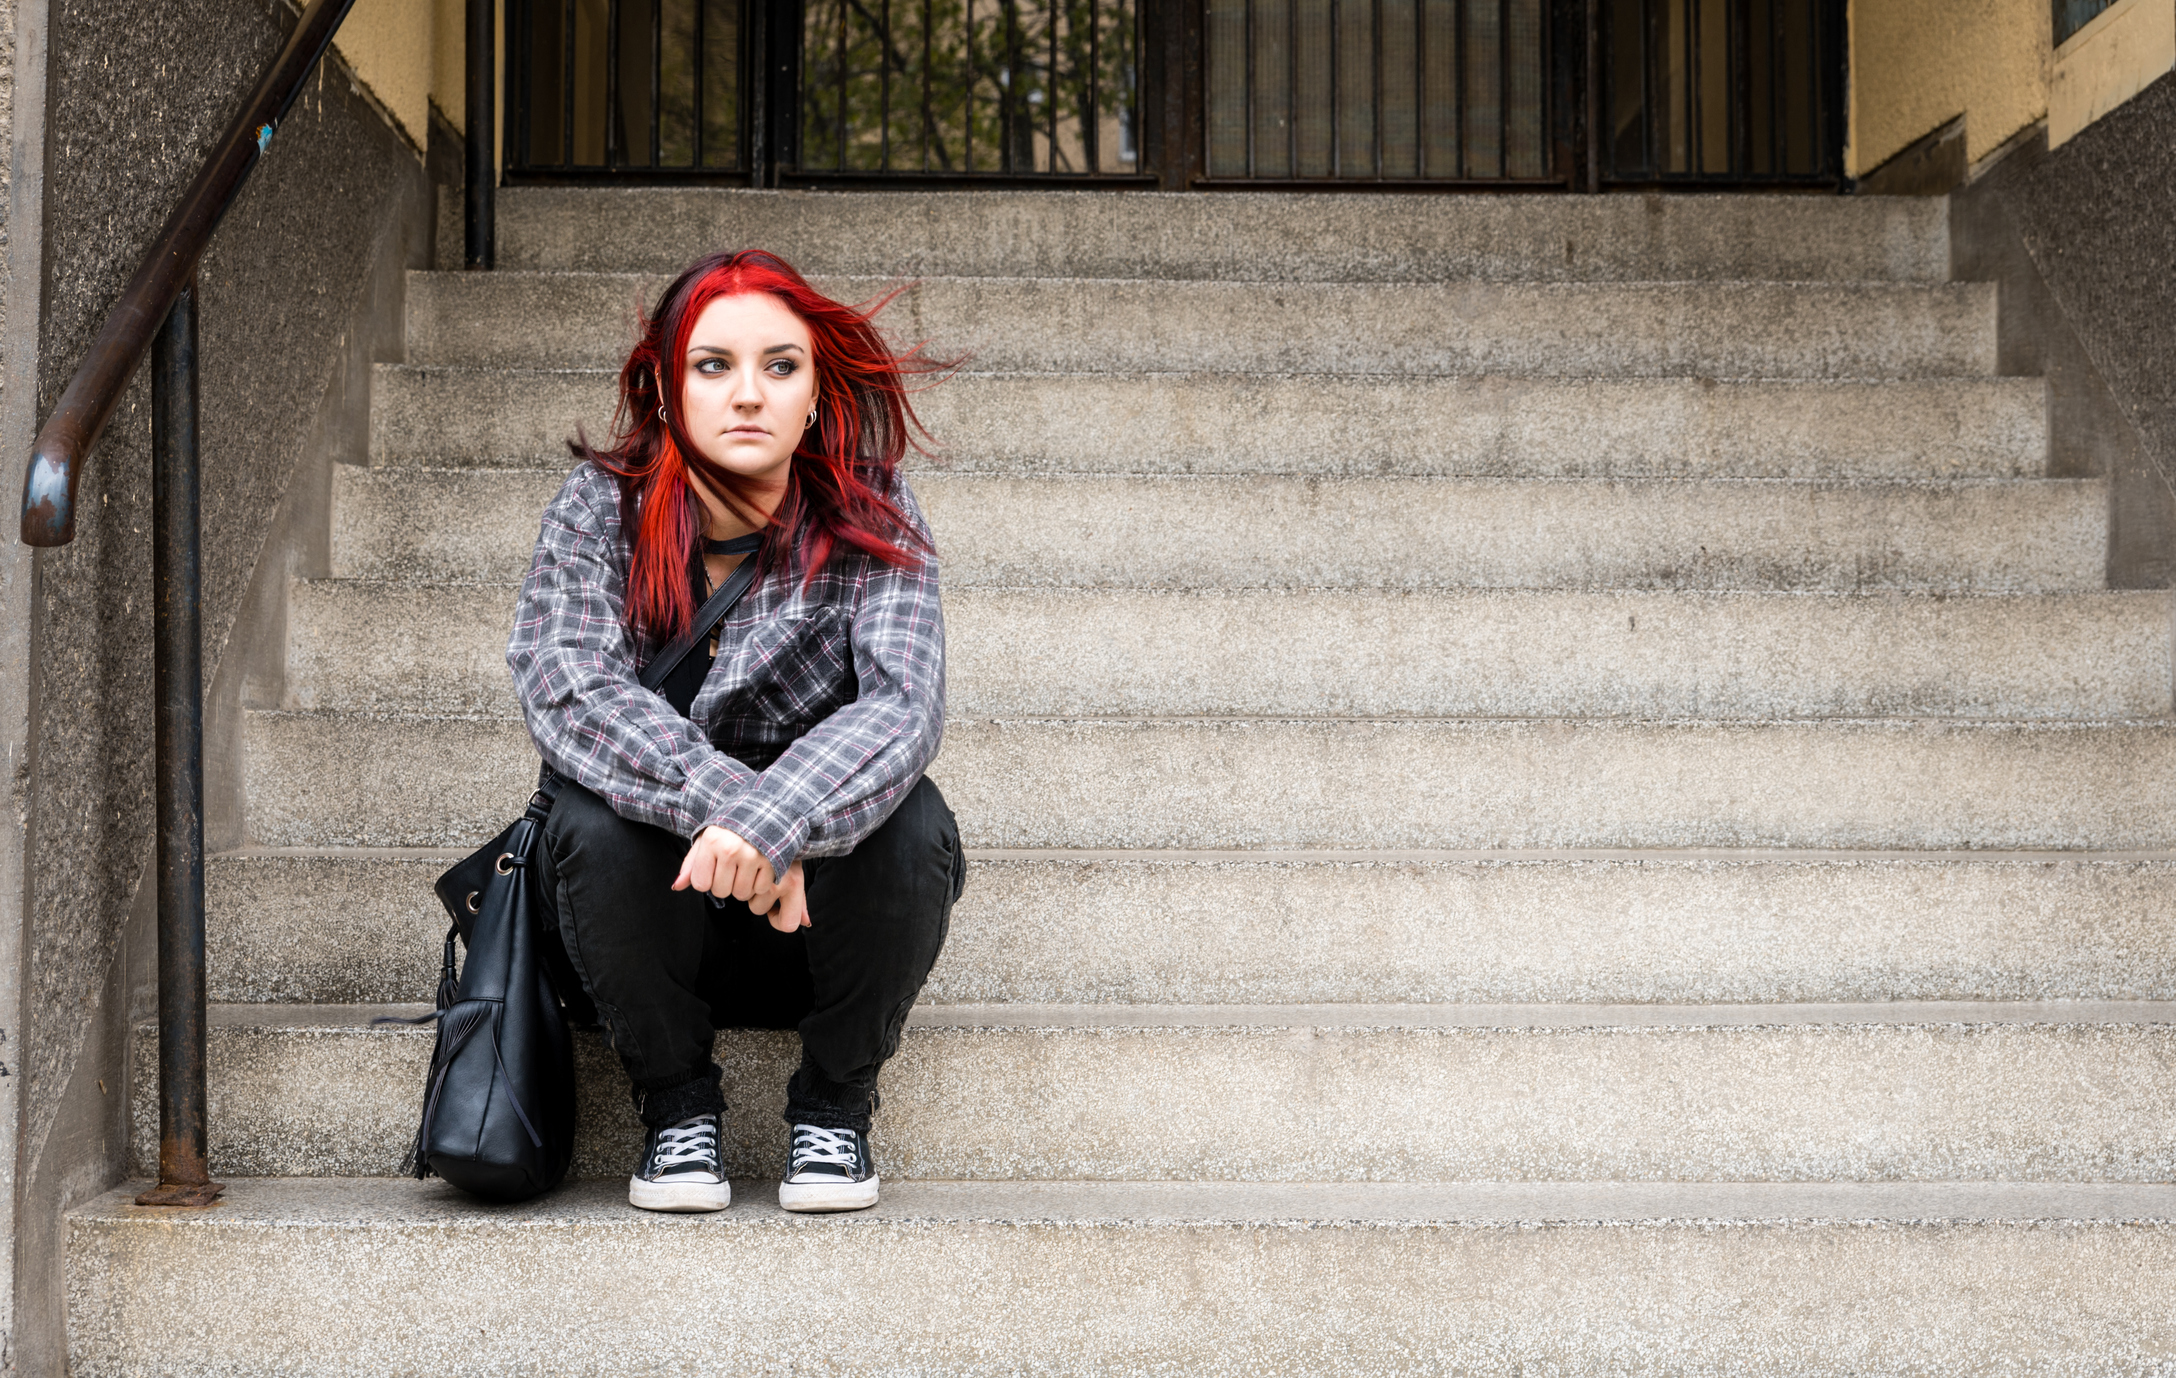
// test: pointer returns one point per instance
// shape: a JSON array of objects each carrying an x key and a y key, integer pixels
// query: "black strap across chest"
[{"x": 711, "y": 613}]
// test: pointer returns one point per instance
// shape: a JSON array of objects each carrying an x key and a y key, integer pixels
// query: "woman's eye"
[
  {"x": 711, "y": 368},
  {"x": 782, "y": 368}
]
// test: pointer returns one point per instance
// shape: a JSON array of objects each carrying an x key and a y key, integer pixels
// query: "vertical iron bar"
[
  {"x": 521, "y": 33},
  {"x": 612, "y": 150},
  {"x": 1010, "y": 120},
  {"x": 698, "y": 63},
  {"x": 1817, "y": 90},
  {"x": 481, "y": 172},
  {"x": 929, "y": 118},
  {"x": 1651, "y": 73},
  {"x": 1092, "y": 98},
  {"x": 1420, "y": 82},
  {"x": 1292, "y": 88},
  {"x": 657, "y": 82},
  {"x": 566, "y": 83},
  {"x": 1337, "y": 94},
  {"x": 840, "y": 147},
  {"x": 1246, "y": 26},
  {"x": 1461, "y": 24},
  {"x": 884, "y": 88},
  {"x": 1735, "y": 39},
  {"x": 178, "y": 678},
  {"x": 1375, "y": 33},
  {"x": 1050, "y": 89},
  {"x": 1775, "y": 88},
  {"x": 1503, "y": 89},
  {"x": 1695, "y": 151},
  {"x": 967, "y": 150}
]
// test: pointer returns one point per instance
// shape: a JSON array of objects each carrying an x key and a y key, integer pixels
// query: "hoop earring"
[
  {"x": 661, "y": 414},
  {"x": 811, "y": 417}
]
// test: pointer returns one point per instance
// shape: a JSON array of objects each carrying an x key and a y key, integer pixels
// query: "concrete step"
[
  {"x": 388, "y": 646},
  {"x": 1319, "y": 424},
  {"x": 1233, "y": 928},
  {"x": 1064, "y": 325},
  {"x": 2025, "y": 536},
  {"x": 1881, "y": 1092},
  {"x": 1257, "y": 237},
  {"x": 364, "y": 1279},
  {"x": 323, "y": 780}
]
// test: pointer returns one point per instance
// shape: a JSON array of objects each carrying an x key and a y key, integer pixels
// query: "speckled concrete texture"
[
  {"x": 1735, "y": 330},
  {"x": 386, "y": 646},
  {"x": 1259, "y": 236},
  {"x": 323, "y": 780},
  {"x": 1328, "y": 1093},
  {"x": 1320, "y": 424},
  {"x": 1139, "y": 1279},
  {"x": 1278, "y": 531},
  {"x": 132, "y": 98},
  {"x": 1180, "y": 928}
]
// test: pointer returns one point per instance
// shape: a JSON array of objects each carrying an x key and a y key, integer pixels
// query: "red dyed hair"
[{"x": 842, "y": 483}]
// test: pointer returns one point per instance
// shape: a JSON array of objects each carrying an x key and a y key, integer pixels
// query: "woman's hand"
[
  {"x": 786, "y": 904},
  {"x": 723, "y": 864}
]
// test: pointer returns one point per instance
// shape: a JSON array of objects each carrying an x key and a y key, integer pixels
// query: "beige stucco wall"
[
  {"x": 1916, "y": 64},
  {"x": 408, "y": 52},
  {"x": 2123, "y": 51}
]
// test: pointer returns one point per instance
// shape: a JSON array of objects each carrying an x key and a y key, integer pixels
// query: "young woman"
[{"x": 754, "y": 845}]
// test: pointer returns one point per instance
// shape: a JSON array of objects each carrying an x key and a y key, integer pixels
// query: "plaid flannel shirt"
[{"x": 824, "y": 706}]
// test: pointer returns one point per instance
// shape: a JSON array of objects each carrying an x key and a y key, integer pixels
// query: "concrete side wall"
[
  {"x": 21, "y": 167},
  {"x": 2081, "y": 239},
  {"x": 300, "y": 289}
]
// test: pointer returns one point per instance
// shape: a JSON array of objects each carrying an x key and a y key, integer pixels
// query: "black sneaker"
[
  {"x": 828, "y": 1170},
  {"x": 680, "y": 1169}
]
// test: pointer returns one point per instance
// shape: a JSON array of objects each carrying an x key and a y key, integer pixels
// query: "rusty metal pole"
[
  {"x": 481, "y": 241},
  {"x": 178, "y": 673}
]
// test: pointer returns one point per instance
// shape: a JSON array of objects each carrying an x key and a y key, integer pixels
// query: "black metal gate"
[{"x": 1419, "y": 94}]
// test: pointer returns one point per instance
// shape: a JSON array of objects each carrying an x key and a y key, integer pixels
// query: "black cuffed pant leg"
[
  {"x": 877, "y": 920},
  {"x": 666, "y": 968},
  {"x": 639, "y": 947}
]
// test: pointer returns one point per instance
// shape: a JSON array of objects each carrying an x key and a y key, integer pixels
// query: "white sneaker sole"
[
  {"x": 678, "y": 1196},
  {"x": 827, "y": 1196}
]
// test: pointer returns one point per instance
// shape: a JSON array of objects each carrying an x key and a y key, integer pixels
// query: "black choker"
[{"x": 739, "y": 545}]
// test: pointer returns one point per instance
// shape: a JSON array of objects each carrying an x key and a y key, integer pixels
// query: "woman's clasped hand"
[{"x": 721, "y": 863}]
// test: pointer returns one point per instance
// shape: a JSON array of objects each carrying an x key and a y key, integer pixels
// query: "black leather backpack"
[{"x": 498, "y": 1106}]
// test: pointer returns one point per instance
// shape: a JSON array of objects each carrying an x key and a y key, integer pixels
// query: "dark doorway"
[{"x": 1381, "y": 94}]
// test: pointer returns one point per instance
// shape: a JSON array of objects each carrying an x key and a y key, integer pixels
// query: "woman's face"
[{"x": 748, "y": 384}]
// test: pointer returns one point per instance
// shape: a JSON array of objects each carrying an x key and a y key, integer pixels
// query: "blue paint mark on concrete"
[{"x": 264, "y": 137}]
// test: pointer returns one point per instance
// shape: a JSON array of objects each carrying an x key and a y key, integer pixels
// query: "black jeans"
[{"x": 666, "y": 968}]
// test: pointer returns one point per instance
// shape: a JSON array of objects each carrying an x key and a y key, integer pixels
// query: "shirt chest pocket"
[{"x": 796, "y": 669}]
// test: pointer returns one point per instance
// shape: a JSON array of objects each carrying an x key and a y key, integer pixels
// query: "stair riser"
[
  {"x": 1348, "y": 238},
  {"x": 1847, "y": 1103},
  {"x": 1163, "y": 423},
  {"x": 401, "y": 647},
  {"x": 1354, "y": 533},
  {"x": 331, "y": 781},
  {"x": 1738, "y": 330},
  {"x": 1266, "y": 932}
]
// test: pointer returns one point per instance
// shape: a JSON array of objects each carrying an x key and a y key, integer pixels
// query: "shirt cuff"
[
  {"x": 775, "y": 833},
  {"x": 714, "y": 784}
]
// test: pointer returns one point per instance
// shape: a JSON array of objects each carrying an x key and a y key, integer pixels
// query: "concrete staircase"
[{"x": 1553, "y": 789}]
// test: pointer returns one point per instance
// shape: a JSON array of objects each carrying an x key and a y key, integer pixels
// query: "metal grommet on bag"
[
  {"x": 473, "y": 897},
  {"x": 505, "y": 864}
]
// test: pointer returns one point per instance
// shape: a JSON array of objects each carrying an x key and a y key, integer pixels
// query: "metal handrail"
[
  {"x": 158, "y": 310},
  {"x": 56, "y": 460}
]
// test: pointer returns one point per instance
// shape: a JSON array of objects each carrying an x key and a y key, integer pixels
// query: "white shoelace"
[
  {"x": 813, "y": 1145},
  {"x": 693, "y": 1142}
]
